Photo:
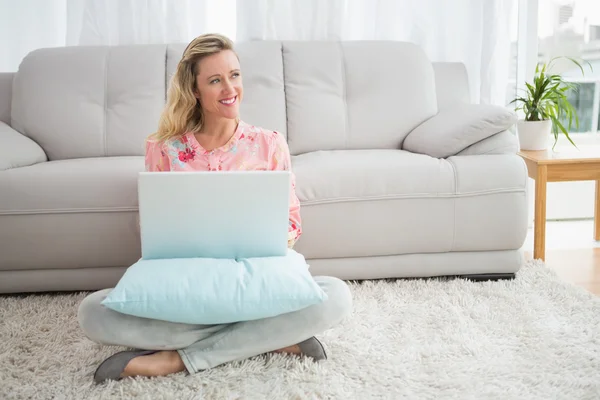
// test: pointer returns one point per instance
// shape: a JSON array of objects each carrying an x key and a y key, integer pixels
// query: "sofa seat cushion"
[
  {"x": 71, "y": 186},
  {"x": 69, "y": 214},
  {"x": 346, "y": 175},
  {"x": 373, "y": 202},
  {"x": 359, "y": 203}
]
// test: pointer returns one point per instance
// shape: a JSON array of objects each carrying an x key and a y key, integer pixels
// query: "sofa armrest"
[
  {"x": 17, "y": 150},
  {"x": 454, "y": 129},
  {"x": 504, "y": 142}
]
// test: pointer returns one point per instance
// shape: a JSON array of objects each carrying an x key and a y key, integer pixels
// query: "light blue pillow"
[{"x": 215, "y": 291}]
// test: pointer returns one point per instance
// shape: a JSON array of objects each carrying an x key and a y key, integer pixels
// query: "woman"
[{"x": 200, "y": 130}]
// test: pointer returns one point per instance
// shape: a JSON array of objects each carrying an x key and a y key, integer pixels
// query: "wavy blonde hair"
[{"x": 183, "y": 112}]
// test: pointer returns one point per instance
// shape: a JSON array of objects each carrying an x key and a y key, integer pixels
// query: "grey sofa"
[{"x": 398, "y": 175}]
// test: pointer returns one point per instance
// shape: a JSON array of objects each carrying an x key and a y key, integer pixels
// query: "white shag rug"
[{"x": 535, "y": 337}]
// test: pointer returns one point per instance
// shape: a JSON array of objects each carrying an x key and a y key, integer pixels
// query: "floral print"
[
  {"x": 250, "y": 148},
  {"x": 180, "y": 151}
]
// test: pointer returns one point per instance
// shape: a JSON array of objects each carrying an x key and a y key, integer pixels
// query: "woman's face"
[{"x": 219, "y": 85}]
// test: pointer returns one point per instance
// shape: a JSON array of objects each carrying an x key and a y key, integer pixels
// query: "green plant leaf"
[
  {"x": 572, "y": 113},
  {"x": 579, "y": 65},
  {"x": 545, "y": 98},
  {"x": 531, "y": 93},
  {"x": 566, "y": 133}
]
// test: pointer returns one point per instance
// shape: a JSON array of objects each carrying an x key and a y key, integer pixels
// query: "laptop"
[{"x": 214, "y": 214}]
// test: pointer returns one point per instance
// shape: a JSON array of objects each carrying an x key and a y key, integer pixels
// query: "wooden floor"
[{"x": 572, "y": 252}]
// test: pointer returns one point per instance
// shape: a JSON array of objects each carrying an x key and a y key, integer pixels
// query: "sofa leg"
[{"x": 488, "y": 277}]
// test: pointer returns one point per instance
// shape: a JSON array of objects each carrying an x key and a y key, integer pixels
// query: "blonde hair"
[{"x": 183, "y": 112}]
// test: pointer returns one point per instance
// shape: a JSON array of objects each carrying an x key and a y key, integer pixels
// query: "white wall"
[{"x": 566, "y": 200}]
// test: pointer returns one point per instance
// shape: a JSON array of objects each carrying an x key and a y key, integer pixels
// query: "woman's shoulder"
[
  {"x": 257, "y": 132},
  {"x": 152, "y": 141},
  {"x": 154, "y": 145}
]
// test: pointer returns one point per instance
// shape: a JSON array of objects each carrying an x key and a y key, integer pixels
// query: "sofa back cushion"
[
  {"x": 355, "y": 94},
  {"x": 451, "y": 84},
  {"x": 90, "y": 101},
  {"x": 95, "y": 101}
]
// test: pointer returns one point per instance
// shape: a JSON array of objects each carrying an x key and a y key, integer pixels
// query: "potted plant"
[{"x": 546, "y": 108}]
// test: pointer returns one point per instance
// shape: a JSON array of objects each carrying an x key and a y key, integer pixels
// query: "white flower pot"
[{"x": 534, "y": 135}]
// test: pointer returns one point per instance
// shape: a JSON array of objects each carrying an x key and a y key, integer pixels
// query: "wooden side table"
[{"x": 568, "y": 165}]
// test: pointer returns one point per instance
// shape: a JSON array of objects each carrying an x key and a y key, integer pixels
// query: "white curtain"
[
  {"x": 116, "y": 22},
  {"x": 26, "y": 25},
  {"x": 474, "y": 32}
]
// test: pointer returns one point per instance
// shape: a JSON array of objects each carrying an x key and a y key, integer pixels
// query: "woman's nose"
[{"x": 227, "y": 86}]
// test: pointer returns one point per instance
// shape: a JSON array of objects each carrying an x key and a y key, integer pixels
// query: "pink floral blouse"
[{"x": 250, "y": 148}]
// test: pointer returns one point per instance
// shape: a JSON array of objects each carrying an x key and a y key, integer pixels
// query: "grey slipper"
[
  {"x": 313, "y": 348},
  {"x": 113, "y": 366}
]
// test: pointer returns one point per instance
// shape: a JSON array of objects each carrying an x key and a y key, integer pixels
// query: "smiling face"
[{"x": 219, "y": 85}]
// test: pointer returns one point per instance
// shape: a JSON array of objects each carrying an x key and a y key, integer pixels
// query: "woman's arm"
[
  {"x": 156, "y": 158},
  {"x": 281, "y": 161}
]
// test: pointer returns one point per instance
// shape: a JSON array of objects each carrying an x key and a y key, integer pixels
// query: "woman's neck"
[
  {"x": 218, "y": 127},
  {"x": 215, "y": 133}
]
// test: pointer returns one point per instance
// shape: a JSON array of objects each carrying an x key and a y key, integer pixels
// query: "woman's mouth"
[{"x": 228, "y": 102}]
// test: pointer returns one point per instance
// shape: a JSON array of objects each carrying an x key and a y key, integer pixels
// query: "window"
[
  {"x": 568, "y": 28},
  {"x": 572, "y": 28},
  {"x": 594, "y": 32},
  {"x": 583, "y": 101}
]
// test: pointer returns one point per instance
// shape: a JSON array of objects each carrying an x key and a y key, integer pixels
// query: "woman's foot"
[
  {"x": 160, "y": 363},
  {"x": 294, "y": 349},
  {"x": 310, "y": 347},
  {"x": 138, "y": 363}
]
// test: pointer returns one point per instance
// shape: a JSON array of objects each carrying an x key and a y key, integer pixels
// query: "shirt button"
[{"x": 212, "y": 160}]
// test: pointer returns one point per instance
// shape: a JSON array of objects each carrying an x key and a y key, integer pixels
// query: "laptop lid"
[{"x": 215, "y": 214}]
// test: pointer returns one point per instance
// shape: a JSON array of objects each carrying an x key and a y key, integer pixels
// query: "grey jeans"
[{"x": 206, "y": 346}]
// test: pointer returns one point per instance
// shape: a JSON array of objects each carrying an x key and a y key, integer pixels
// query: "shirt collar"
[{"x": 240, "y": 129}]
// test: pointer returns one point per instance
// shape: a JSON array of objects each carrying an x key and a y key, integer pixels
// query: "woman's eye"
[
  {"x": 236, "y": 74},
  {"x": 214, "y": 80}
]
